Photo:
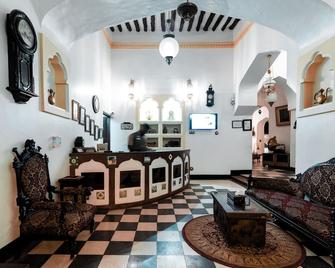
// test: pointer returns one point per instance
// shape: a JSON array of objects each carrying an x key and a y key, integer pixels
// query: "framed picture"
[
  {"x": 82, "y": 114},
  {"x": 96, "y": 132},
  {"x": 236, "y": 124},
  {"x": 75, "y": 110},
  {"x": 101, "y": 133},
  {"x": 247, "y": 124},
  {"x": 283, "y": 117},
  {"x": 87, "y": 123},
  {"x": 92, "y": 124}
]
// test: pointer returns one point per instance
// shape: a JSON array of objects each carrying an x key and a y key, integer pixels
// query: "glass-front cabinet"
[{"x": 164, "y": 115}]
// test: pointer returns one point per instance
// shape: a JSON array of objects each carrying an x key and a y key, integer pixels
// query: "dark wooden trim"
[
  {"x": 145, "y": 24},
  {"x": 173, "y": 20},
  {"x": 152, "y": 22},
  {"x": 128, "y": 26},
  {"x": 181, "y": 26},
  {"x": 209, "y": 21},
  {"x": 112, "y": 29},
  {"x": 218, "y": 21},
  {"x": 233, "y": 25},
  {"x": 201, "y": 17},
  {"x": 12, "y": 248},
  {"x": 241, "y": 171},
  {"x": 137, "y": 26},
  {"x": 210, "y": 177},
  {"x": 190, "y": 24},
  {"x": 226, "y": 23},
  {"x": 119, "y": 27},
  {"x": 163, "y": 22}
]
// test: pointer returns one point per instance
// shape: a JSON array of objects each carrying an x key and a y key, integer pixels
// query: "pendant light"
[
  {"x": 187, "y": 10},
  {"x": 269, "y": 85},
  {"x": 169, "y": 47}
]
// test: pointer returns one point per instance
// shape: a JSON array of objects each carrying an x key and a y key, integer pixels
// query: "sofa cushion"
[
  {"x": 318, "y": 183},
  {"x": 315, "y": 218}
]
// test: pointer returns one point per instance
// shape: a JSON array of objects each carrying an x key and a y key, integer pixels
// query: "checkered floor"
[{"x": 146, "y": 236}]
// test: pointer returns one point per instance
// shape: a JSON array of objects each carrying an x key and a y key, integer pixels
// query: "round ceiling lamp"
[
  {"x": 169, "y": 47},
  {"x": 269, "y": 83},
  {"x": 187, "y": 10}
]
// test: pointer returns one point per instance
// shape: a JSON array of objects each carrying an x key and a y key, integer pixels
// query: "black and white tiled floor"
[{"x": 147, "y": 236}]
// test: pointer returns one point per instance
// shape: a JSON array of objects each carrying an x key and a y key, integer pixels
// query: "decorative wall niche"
[
  {"x": 54, "y": 80},
  {"x": 317, "y": 86}
]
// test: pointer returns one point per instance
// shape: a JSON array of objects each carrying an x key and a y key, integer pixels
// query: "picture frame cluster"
[{"x": 80, "y": 115}]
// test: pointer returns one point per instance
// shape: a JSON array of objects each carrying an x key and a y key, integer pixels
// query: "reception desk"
[{"x": 127, "y": 179}]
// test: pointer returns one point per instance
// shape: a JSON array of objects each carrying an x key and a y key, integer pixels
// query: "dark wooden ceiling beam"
[
  {"x": 137, "y": 26},
  {"x": 209, "y": 21},
  {"x": 233, "y": 25},
  {"x": 181, "y": 26},
  {"x": 201, "y": 17},
  {"x": 128, "y": 26},
  {"x": 152, "y": 22},
  {"x": 112, "y": 29},
  {"x": 145, "y": 24},
  {"x": 173, "y": 20},
  {"x": 190, "y": 25},
  {"x": 226, "y": 24},
  {"x": 218, "y": 21},
  {"x": 163, "y": 22},
  {"x": 119, "y": 27}
]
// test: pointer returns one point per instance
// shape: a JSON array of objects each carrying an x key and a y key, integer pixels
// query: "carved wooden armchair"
[{"x": 40, "y": 216}]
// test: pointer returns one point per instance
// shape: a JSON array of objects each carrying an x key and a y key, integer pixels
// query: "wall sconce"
[
  {"x": 232, "y": 101},
  {"x": 131, "y": 88},
  {"x": 189, "y": 89}
]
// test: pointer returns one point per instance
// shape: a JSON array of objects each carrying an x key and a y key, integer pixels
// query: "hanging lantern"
[{"x": 169, "y": 47}]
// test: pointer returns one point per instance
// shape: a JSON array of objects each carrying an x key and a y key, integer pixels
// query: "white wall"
[
  {"x": 315, "y": 141},
  {"x": 87, "y": 76},
  {"x": 210, "y": 154}
]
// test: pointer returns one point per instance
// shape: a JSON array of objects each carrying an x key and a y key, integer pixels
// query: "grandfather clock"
[
  {"x": 210, "y": 96},
  {"x": 22, "y": 44}
]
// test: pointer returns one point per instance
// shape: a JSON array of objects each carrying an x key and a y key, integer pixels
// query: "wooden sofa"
[{"x": 307, "y": 203}]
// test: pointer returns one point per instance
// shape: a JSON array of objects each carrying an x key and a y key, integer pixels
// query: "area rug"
[{"x": 202, "y": 234}]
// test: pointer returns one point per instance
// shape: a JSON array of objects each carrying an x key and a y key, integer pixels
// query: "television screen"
[
  {"x": 158, "y": 175},
  {"x": 129, "y": 179},
  {"x": 203, "y": 121},
  {"x": 176, "y": 171}
]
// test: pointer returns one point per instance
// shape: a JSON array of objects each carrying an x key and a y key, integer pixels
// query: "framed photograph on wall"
[
  {"x": 82, "y": 114},
  {"x": 75, "y": 110},
  {"x": 236, "y": 124},
  {"x": 92, "y": 124},
  {"x": 96, "y": 133},
  {"x": 101, "y": 133},
  {"x": 247, "y": 124},
  {"x": 283, "y": 117},
  {"x": 87, "y": 123}
]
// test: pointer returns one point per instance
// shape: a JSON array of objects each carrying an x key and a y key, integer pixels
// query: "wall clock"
[
  {"x": 22, "y": 44},
  {"x": 210, "y": 96},
  {"x": 95, "y": 103}
]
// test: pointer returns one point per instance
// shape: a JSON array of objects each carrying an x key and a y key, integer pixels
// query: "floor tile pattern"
[{"x": 147, "y": 236}]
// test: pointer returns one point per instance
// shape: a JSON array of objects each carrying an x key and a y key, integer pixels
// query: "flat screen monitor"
[
  {"x": 129, "y": 179},
  {"x": 176, "y": 171},
  {"x": 158, "y": 175},
  {"x": 203, "y": 121}
]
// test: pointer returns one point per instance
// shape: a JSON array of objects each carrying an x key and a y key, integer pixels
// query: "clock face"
[
  {"x": 26, "y": 33},
  {"x": 210, "y": 96},
  {"x": 96, "y": 104}
]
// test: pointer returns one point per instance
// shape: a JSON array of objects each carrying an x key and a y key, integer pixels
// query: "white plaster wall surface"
[
  {"x": 71, "y": 20},
  {"x": 261, "y": 40},
  {"x": 210, "y": 154},
  {"x": 20, "y": 122}
]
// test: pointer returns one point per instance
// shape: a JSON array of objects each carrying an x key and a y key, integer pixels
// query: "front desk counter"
[{"x": 126, "y": 179}]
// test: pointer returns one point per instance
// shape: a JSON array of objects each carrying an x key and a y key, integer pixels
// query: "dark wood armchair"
[{"x": 40, "y": 216}]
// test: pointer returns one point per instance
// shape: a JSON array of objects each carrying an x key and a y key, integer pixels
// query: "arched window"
[{"x": 266, "y": 128}]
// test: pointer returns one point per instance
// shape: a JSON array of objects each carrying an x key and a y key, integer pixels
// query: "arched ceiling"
[{"x": 305, "y": 21}]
